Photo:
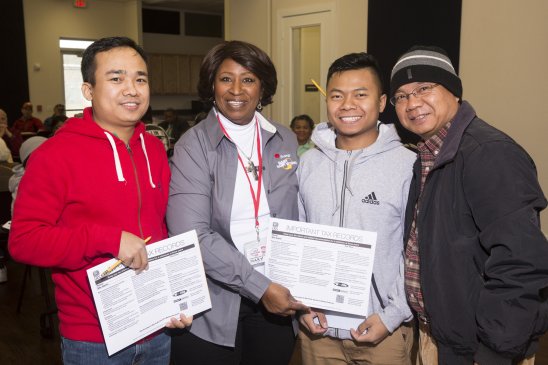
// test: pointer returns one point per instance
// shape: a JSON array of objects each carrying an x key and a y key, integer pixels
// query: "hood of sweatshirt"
[
  {"x": 87, "y": 126},
  {"x": 324, "y": 137}
]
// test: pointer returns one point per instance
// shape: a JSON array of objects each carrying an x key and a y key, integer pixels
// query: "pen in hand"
[{"x": 118, "y": 262}]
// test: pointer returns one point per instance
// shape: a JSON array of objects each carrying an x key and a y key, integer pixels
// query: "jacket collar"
[
  {"x": 465, "y": 115},
  {"x": 215, "y": 134}
]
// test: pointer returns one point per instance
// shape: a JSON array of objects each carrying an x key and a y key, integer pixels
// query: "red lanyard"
[{"x": 256, "y": 198}]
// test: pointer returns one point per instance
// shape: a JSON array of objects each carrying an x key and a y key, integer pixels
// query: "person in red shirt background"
[
  {"x": 24, "y": 127},
  {"x": 27, "y": 122}
]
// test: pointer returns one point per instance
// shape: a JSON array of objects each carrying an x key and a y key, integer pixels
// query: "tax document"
[
  {"x": 131, "y": 306},
  {"x": 324, "y": 267}
]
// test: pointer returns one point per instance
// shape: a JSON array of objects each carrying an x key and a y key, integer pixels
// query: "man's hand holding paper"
[
  {"x": 314, "y": 321},
  {"x": 182, "y": 322},
  {"x": 372, "y": 330},
  {"x": 132, "y": 305}
]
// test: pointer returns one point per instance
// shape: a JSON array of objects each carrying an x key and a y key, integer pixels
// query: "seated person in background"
[
  {"x": 27, "y": 122},
  {"x": 18, "y": 170},
  {"x": 58, "y": 111},
  {"x": 7, "y": 137},
  {"x": 302, "y": 126},
  {"x": 26, "y": 125},
  {"x": 173, "y": 126},
  {"x": 56, "y": 123},
  {"x": 5, "y": 153},
  {"x": 159, "y": 132}
]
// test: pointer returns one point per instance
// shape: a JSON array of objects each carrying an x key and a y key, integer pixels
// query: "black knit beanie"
[{"x": 425, "y": 64}]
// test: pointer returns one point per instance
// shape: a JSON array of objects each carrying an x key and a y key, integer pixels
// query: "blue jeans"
[{"x": 152, "y": 352}]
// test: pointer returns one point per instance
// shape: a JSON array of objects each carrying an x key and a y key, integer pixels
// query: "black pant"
[{"x": 262, "y": 338}]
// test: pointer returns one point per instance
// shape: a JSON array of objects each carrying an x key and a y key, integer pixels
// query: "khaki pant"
[
  {"x": 395, "y": 349},
  {"x": 428, "y": 350}
]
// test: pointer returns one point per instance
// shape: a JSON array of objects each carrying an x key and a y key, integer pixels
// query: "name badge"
[{"x": 255, "y": 253}]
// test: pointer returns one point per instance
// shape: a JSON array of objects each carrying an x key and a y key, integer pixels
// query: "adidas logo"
[{"x": 371, "y": 199}]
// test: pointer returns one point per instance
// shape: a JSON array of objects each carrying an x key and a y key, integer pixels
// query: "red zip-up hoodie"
[{"x": 81, "y": 189}]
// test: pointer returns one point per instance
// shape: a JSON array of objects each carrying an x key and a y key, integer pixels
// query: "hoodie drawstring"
[
  {"x": 148, "y": 163},
  {"x": 118, "y": 165},
  {"x": 116, "y": 158}
]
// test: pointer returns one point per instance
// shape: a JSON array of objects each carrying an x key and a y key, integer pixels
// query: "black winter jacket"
[{"x": 483, "y": 257}]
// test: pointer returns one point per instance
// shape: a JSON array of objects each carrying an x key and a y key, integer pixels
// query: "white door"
[{"x": 305, "y": 50}]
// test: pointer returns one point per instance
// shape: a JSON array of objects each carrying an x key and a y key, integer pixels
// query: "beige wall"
[
  {"x": 503, "y": 66},
  {"x": 309, "y": 69},
  {"x": 249, "y": 20},
  {"x": 46, "y": 21}
]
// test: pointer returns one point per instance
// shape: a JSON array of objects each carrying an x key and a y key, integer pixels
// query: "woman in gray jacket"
[{"x": 230, "y": 174}]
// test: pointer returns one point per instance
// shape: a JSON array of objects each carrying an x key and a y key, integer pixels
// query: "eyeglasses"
[{"x": 418, "y": 92}]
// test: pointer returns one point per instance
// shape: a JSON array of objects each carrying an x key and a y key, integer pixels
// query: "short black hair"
[
  {"x": 103, "y": 45},
  {"x": 246, "y": 54},
  {"x": 305, "y": 117},
  {"x": 356, "y": 61}
]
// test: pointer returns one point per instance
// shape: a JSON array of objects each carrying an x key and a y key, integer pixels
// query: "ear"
[
  {"x": 87, "y": 91},
  {"x": 382, "y": 103}
]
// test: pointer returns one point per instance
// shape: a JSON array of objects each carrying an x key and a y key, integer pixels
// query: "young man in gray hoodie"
[{"x": 358, "y": 177}]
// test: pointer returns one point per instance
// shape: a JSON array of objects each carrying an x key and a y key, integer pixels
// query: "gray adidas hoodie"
[{"x": 363, "y": 189}]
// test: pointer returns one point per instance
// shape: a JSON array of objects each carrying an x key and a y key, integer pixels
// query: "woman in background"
[
  {"x": 303, "y": 125},
  {"x": 230, "y": 174}
]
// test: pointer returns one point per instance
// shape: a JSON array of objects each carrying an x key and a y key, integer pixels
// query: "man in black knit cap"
[{"x": 476, "y": 271}]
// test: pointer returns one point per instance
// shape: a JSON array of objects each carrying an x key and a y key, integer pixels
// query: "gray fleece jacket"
[{"x": 363, "y": 189}]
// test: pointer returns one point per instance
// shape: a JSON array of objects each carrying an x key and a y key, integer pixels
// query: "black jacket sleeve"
[{"x": 505, "y": 198}]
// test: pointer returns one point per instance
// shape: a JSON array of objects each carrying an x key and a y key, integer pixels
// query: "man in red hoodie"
[{"x": 103, "y": 189}]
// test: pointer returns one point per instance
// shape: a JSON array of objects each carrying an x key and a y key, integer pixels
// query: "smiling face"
[
  {"x": 237, "y": 92},
  {"x": 426, "y": 115},
  {"x": 303, "y": 131},
  {"x": 120, "y": 96},
  {"x": 354, "y": 102}
]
